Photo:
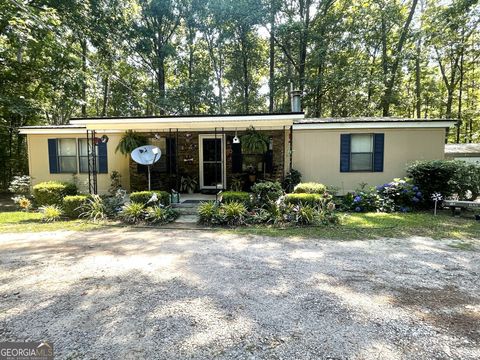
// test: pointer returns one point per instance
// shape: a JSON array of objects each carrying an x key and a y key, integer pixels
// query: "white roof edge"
[
  {"x": 375, "y": 125},
  {"x": 187, "y": 119},
  {"x": 50, "y": 130}
]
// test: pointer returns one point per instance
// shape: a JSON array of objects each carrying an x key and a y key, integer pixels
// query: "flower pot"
[{"x": 252, "y": 178}]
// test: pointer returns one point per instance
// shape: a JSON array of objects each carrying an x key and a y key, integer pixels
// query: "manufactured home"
[{"x": 340, "y": 152}]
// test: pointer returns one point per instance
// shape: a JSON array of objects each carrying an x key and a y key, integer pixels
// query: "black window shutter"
[
  {"x": 171, "y": 155},
  {"x": 378, "y": 150},
  {"x": 345, "y": 141},
  {"x": 236, "y": 158},
  {"x": 102, "y": 158},
  {"x": 53, "y": 156}
]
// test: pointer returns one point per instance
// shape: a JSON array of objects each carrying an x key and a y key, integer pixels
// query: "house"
[
  {"x": 341, "y": 152},
  {"x": 466, "y": 152}
]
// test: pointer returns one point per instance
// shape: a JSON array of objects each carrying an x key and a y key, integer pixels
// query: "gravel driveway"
[{"x": 148, "y": 294}]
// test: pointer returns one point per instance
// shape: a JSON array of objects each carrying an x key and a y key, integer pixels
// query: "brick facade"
[{"x": 187, "y": 160}]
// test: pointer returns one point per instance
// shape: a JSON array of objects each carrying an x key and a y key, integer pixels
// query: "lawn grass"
[
  {"x": 380, "y": 225},
  {"x": 17, "y": 221}
]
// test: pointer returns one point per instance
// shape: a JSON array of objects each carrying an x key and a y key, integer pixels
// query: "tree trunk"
[
  {"x": 392, "y": 73},
  {"x": 106, "y": 91},
  {"x": 418, "y": 89},
  {"x": 83, "y": 44},
  {"x": 271, "y": 80}
]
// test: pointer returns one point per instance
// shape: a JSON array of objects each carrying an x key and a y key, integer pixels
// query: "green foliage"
[
  {"x": 130, "y": 140},
  {"x": 236, "y": 196},
  {"x": 50, "y": 213},
  {"x": 52, "y": 192},
  {"x": 208, "y": 213},
  {"x": 132, "y": 213},
  {"x": 233, "y": 213},
  {"x": 94, "y": 209},
  {"x": 310, "y": 188},
  {"x": 160, "y": 214},
  {"x": 447, "y": 177},
  {"x": 291, "y": 180},
  {"x": 115, "y": 182},
  {"x": 254, "y": 142},
  {"x": 266, "y": 192},
  {"x": 303, "y": 199},
  {"x": 143, "y": 197},
  {"x": 72, "y": 205}
]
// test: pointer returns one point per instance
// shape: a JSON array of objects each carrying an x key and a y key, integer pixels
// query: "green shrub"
[
  {"x": 266, "y": 192},
  {"x": 236, "y": 196},
  {"x": 362, "y": 200},
  {"x": 143, "y": 197},
  {"x": 233, "y": 213},
  {"x": 310, "y": 188},
  {"x": 446, "y": 177},
  {"x": 208, "y": 213},
  {"x": 94, "y": 209},
  {"x": 303, "y": 199},
  {"x": 160, "y": 214},
  {"x": 50, "y": 213},
  {"x": 304, "y": 214},
  {"x": 132, "y": 213},
  {"x": 72, "y": 205},
  {"x": 52, "y": 192}
]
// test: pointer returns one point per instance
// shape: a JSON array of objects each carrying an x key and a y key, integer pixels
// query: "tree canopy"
[{"x": 69, "y": 58}]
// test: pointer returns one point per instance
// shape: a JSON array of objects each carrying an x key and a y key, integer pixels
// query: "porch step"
[{"x": 186, "y": 209}]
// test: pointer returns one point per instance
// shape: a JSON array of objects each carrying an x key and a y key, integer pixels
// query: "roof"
[
  {"x": 473, "y": 149},
  {"x": 189, "y": 123},
  {"x": 336, "y": 120},
  {"x": 160, "y": 117},
  {"x": 370, "y": 123}
]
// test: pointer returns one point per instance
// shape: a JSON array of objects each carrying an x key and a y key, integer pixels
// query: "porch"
[
  {"x": 204, "y": 153},
  {"x": 209, "y": 161}
]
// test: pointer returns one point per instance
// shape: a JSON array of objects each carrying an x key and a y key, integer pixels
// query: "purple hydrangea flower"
[
  {"x": 415, "y": 199},
  {"x": 357, "y": 199},
  {"x": 415, "y": 188},
  {"x": 419, "y": 194},
  {"x": 358, "y": 209}
]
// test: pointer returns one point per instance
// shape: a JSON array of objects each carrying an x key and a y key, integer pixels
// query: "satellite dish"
[{"x": 146, "y": 155}]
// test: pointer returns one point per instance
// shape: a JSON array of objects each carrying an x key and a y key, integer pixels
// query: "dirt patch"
[{"x": 447, "y": 308}]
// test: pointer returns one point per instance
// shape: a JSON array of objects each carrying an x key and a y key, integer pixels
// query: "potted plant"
[
  {"x": 252, "y": 173},
  {"x": 130, "y": 140},
  {"x": 188, "y": 184},
  {"x": 254, "y": 142}
]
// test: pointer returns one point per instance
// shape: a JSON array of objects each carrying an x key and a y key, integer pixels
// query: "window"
[
  {"x": 67, "y": 155},
  {"x": 63, "y": 154},
  {"x": 361, "y": 152},
  {"x": 83, "y": 155}
]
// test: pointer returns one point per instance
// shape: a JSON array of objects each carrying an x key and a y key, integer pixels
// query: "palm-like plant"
[
  {"x": 254, "y": 142},
  {"x": 130, "y": 141}
]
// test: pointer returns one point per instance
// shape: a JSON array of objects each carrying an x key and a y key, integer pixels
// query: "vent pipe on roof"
[{"x": 296, "y": 100}]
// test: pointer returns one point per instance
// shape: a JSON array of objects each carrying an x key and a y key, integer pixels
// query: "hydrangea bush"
[{"x": 399, "y": 195}]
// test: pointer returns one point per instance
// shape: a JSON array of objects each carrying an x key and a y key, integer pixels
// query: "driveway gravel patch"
[{"x": 170, "y": 294}]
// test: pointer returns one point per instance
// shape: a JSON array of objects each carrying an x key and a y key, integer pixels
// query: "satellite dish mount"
[{"x": 146, "y": 155}]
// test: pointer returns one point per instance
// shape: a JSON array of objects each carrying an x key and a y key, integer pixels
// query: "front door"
[{"x": 212, "y": 161}]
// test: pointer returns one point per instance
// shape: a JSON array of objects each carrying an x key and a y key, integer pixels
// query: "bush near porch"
[
  {"x": 144, "y": 196},
  {"x": 52, "y": 192}
]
